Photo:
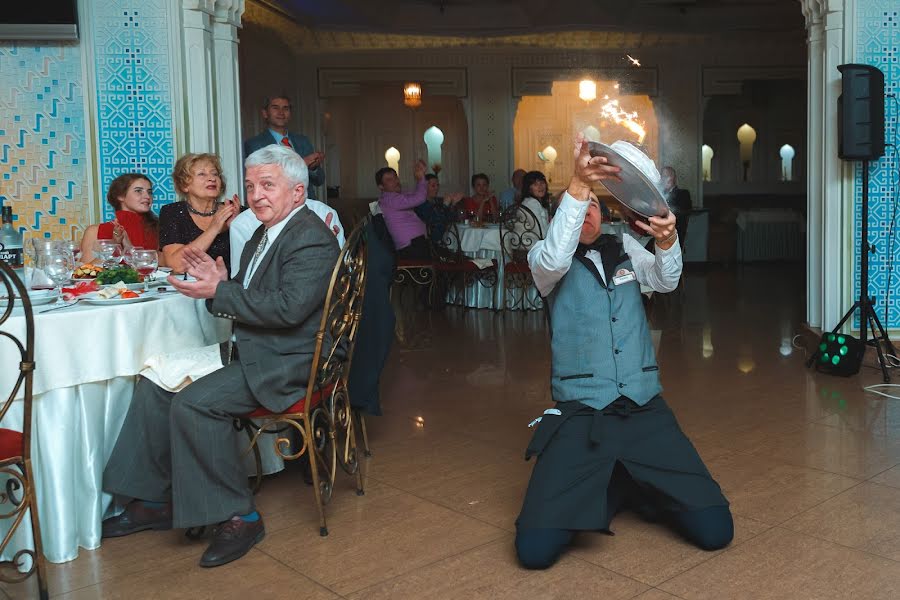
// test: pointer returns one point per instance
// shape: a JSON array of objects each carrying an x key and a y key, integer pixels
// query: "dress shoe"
[
  {"x": 231, "y": 540},
  {"x": 138, "y": 517}
]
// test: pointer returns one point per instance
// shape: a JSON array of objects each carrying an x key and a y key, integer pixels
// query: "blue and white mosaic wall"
[
  {"x": 42, "y": 144},
  {"x": 134, "y": 106},
  {"x": 43, "y": 149},
  {"x": 878, "y": 44}
]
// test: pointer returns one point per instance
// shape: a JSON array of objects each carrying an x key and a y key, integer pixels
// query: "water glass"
[
  {"x": 57, "y": 264},
  {"x": 144, "y": 262},
  {"x": 106, "y": 250}
]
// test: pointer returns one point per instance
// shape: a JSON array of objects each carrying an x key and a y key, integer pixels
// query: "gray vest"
[{"x": 600, "y": 341}]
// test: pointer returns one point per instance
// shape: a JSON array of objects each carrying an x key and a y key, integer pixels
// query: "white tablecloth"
[{"x": 86, "y": 361}]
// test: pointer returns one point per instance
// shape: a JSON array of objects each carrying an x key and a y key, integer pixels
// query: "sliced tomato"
[{"x": 130, "y": 294}]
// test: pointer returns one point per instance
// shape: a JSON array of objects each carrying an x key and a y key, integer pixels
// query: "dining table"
[{"x": 88, "y": 357}]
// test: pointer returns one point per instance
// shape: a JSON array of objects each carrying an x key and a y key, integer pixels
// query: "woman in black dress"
[{"x": 199, "y": 220}]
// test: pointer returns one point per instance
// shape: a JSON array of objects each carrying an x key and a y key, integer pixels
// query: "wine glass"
[
  {"x": 73, "y": 247},
  {"x": 57, "y": 264},
  {"x": 144, "y": 262},
  {"x": 105, "y": 250}
]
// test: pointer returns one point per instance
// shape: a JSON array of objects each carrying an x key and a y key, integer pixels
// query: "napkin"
[
  {"x": 174, "y": 371},
  {"x": 79, "y": 289},
  {"x": 482, "y": 263}
]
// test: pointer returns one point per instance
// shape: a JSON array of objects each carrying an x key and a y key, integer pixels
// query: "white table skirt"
[{"x": 87, "y": 358}]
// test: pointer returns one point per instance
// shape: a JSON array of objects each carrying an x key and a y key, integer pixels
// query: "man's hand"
[
  {"x": 662, "y": 229},
  {"x": 209, "y": 274},
  {"x": 588, "y": 170},
  {"x": 328, "y": 219},
  {"x": 419, "y": 169},
  {"x": 314, "y": 160}
]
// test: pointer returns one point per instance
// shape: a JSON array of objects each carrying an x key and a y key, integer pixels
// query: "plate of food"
[
  {"x": 639, "y": 188},
  {"x": 117, "y": 294},
  {"x": 86, "y": 272},
  {"x": 123, "y": 274}
]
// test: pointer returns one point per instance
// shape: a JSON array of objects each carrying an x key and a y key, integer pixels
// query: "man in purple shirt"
[{"x": 406, "y": 228}]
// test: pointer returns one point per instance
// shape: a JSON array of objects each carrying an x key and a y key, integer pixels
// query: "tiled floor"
[{"x": 811, "y": 464}]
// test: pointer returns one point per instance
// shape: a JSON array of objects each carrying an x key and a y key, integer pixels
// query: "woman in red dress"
[
  {"x": 482, "y": 204},
  {"x": 135, "y": 225}
]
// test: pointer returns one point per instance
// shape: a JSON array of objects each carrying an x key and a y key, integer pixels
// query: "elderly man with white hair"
[{"x": 177, "y": 457}]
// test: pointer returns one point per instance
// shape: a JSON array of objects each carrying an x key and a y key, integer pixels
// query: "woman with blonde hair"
[{"x": 199, "y": 219}]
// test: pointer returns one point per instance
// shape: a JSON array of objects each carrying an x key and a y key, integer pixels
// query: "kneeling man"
[
  {"x": 177, "y": 455},
  {"x": 611, "y": 442}
]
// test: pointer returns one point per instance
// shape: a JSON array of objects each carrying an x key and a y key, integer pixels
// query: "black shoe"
[
  {"x": 138, "y": 517},
  {"x": 231, "y": 540}
]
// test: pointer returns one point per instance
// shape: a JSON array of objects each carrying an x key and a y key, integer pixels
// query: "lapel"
[
  {"x": 247, "y": 252},
  {"x": 301, "y": 215}
]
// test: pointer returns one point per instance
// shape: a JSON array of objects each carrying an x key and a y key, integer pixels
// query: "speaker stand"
[{"x": 867, "y": 317}]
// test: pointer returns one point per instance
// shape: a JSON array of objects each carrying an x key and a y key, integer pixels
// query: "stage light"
[{"x": 839, "y": 354}]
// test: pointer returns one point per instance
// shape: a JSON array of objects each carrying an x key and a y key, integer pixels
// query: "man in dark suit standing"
[
  {"x": 177, "y": 455},
  {"x": 679, "y": 201},
  {"x": 276, "y": 112}
]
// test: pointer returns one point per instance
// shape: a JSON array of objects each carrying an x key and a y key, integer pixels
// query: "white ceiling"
[{"x": 516, "y": 17}]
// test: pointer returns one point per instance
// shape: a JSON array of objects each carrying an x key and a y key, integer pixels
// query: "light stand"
[{"x": 867, "y": 317}]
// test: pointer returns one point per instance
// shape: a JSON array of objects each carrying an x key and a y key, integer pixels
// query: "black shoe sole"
[
  {"x": 233, "y": 557},
  {"x": 138, "y": 528}
]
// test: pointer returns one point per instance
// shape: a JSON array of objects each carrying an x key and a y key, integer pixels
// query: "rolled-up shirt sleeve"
[
  {"x": 660, "y": 271},
  {"x": 551, "y": 257}
]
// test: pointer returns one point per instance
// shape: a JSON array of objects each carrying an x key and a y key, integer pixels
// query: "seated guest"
[
  {"x": 536, "y": 198},
  {"x": 178, "y": 456},
  {"x": 135, "y": 225},
  {"x": 246, "y": 223},
  {"x": 406, "y": 228},
  {"x": 513, "y": 194},
  {"x": 436, "y": 211},
  {"x": 199, "y": 220},
  {"x": 482, "y": 204}
]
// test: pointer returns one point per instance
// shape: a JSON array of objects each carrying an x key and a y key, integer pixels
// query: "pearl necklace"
[{"x": 200, "y": 213}]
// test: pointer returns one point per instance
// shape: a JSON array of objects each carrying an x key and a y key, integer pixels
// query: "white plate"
[
  {"x": 117, "y": 300},
  {"x": 38, "y": 297}
]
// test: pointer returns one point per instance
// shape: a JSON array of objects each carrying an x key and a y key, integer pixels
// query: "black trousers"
[{"x": 418, "y": 249}]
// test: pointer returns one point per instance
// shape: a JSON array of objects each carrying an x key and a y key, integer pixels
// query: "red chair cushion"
[
  {"x": 11, "y": 444},
  {"x": 463, "y": 265},
  {"x": 517, "y": 267},
  {"x": 408, "y": 263},
  {"x": 297, "y": 407}
]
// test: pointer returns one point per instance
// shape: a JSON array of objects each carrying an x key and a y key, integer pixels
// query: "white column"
[
  {"x": 814, "y": 247},
  {"x": 227, "y": 119},
  {"x": 198, "y": 88}
]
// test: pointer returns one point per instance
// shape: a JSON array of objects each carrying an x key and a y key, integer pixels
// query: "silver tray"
[{"x": 635, "y": 190}]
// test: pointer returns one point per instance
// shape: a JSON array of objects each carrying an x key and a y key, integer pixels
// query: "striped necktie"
[{"x": 259, "y": 250}]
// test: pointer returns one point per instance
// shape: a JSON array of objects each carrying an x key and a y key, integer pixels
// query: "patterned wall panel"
[
  {"x": 134, "y": 108},
  {"x": 42, "y": 145},
  {"x": 878, "y": 44}
]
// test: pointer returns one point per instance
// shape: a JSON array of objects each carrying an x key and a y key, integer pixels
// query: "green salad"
[{"x": 123, "y": 274}]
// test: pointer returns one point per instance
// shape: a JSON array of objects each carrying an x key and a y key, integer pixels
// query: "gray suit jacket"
[
  {"x": 301, "y": 144},
  {"x": 277, "y": 316}
]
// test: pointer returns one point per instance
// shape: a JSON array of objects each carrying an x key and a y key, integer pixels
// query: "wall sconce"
[
  {"x": 412, "y": 95},
  {"x": 587, "y": 90}
]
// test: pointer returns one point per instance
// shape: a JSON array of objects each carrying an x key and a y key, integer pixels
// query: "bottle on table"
[{"x": 11, "y": 246}]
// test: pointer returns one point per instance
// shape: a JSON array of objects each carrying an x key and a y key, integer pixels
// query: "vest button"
[
  {"x": 614, "y": 319},
  {"x": 621, "y": 385},
  {"x": 616, "y": 350}
]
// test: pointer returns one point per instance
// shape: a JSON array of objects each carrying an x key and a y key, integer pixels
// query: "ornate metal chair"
[
  {"x": 323, "y": 416},
  {"x": 520, "y": 230},
  {"x": 454, "y": 267},
  {"x": 15, "y": 447}
]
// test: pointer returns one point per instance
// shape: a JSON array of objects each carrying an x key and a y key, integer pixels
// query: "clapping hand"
[
  {"x": 208, "y": 273},
  {"x": 453, "y": 199},
  {"x": 419, "y": 169},
  {"x": 226, "y": 214},
  {"x": 328, "y": 219}
]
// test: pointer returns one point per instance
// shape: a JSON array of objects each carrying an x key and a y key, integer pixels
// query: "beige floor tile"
[
  {"x": 491, "y": 573},
  {"x": 253, "y": 576},
  {"x": 866, "y": 517},
  {"x": 781, "y": 564},
  {"x": 770, "y": 491},
  {"x": 855, "y": 454},
  {"x": 890, "y": 477},
  {"x": 391, "y": 536},
  {"x": 655, "y": 594},
  {"x": 650, "y": 552}
]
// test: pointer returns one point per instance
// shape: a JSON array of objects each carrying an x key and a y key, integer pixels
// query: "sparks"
[
  {"x": 612, "y": 111},
  {"x": 633, "y": 60}
]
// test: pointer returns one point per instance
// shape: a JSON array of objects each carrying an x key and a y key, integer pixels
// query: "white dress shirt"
[
  {"x": 272, "y": 234},
  {"x": 246, "y": 223},
  {"x": 551, "y": 257}
]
